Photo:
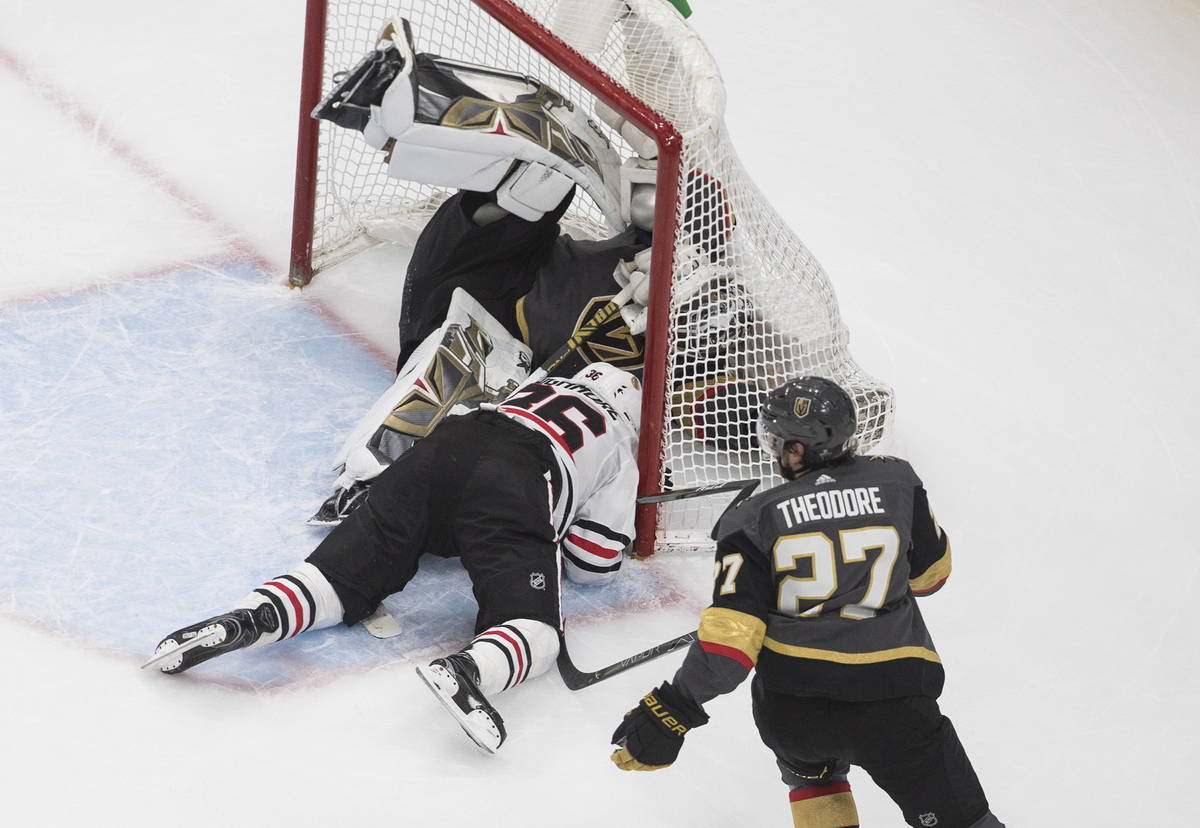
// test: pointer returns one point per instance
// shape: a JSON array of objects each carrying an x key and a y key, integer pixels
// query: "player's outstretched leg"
[
  {"x": 498, "y": 659},
  {"x": 455, "y": 681},
  {"x": 197, "y": 643},
  {"x": 281, "y": 608}
]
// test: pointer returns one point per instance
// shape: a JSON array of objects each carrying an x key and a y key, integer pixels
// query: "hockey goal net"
[{"x": 738, "y": 303}]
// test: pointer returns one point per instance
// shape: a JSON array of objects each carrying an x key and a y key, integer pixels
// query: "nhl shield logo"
[
  {"x": 928, "y": 819},
  {"x": 537, "y": 580},
  {"x": 801, "y": 406}
]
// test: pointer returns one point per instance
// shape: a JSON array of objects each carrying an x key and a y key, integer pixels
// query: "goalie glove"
[
  {"x": 651, "y": 735},
  {"x": 637, "y": 274},
  {"x": 519, "y": 138}
]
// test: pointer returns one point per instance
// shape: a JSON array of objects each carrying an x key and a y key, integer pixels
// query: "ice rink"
[{"x": 1007, "y": 199}]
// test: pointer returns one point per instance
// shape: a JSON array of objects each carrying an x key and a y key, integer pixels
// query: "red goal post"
[{"x": 732, "y": 262}]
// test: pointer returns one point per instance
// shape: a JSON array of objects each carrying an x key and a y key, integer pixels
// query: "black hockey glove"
[{"x": 652, "y": 733}]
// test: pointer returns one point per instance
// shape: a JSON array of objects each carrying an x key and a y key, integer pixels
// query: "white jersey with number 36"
[{"x": 591, "y": 423}]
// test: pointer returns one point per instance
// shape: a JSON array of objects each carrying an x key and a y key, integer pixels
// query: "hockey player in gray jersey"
[
  {"x": 541, "y": 484},
  {"x": 815, "y": 586}
]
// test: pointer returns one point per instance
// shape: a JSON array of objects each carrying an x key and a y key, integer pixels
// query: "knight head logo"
[{"x": 801, "y": 406}]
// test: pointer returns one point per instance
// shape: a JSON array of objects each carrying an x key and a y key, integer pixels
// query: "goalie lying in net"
[
  {"x": 548, "y": 476},
  {"x": 493, "y": 286}
]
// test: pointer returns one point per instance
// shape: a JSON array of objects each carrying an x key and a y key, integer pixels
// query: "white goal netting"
[{"x": 746, "y": 305}]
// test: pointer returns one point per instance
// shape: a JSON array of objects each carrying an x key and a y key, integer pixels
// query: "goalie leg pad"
[
  {"x": 469, "y": 360},
  {"x": 453, "y": 124}
]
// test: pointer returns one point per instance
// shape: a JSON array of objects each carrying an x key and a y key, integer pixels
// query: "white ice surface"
[{"x": 1007, "y": 197}]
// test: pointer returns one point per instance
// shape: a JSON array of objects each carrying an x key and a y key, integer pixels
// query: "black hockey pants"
[
  {"x": 476, "y": 488},
  {"x": 906, "y": 745}
]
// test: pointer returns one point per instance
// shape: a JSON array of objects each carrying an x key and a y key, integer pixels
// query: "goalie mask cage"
[{"x": 738, "y": 304}]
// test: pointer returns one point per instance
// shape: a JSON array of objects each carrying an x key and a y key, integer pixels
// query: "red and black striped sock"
[
  {"x": 508, "y": 654},
  {"x": 303, "y": 600}
]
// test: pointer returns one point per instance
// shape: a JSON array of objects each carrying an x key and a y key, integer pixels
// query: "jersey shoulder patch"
[
  {"x": 888, "y": 467},
  {"x": 741, "y": 517}
]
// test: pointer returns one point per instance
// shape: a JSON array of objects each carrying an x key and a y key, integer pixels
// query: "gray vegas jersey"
[{"x": 815, "y": 584}]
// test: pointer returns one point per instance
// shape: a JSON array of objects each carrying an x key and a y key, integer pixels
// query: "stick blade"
[{"x": 382, "y": 624}]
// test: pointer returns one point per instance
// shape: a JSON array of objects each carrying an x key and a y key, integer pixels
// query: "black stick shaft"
[
  {"x": 698, "y": 491},
  {"x": 577, "y": 679}
]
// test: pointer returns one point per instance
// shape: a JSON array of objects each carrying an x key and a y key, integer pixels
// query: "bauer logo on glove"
[
  {"x": 651, "y": 735},
  {"x": 665, "y": 717}
]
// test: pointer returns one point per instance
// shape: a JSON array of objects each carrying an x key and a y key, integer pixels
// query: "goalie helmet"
[
  {"x": 813, "y": 411},
  {"x": 620, "y": 388}
]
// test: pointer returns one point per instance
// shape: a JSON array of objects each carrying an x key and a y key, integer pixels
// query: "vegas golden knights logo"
[
  {"x": 801, "y": 406},
  {"x": 528, "y": 118},
  {"x": 609, "y": 340},
  {"x": 451, "y": 378}
]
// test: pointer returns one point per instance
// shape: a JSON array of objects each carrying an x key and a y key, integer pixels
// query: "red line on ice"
[
  {"x": 89, "y": 123},
  {"x": 238, "y": 246}
]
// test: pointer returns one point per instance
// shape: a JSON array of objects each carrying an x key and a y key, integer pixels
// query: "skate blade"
[
  {"x": 179, "y": 649},
  {"x": 476, "y": 727},
  {"x": 317, "y": 520}
]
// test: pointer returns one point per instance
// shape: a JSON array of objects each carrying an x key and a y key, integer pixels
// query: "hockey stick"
[
  {"x": 382, "y": 624},
  {"x": 577, "y": 679},
  {"x": 745, "y": 486}
]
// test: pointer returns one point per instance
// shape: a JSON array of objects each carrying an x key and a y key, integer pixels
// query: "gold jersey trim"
[
  {"x": 730, "y": 628},
  {"x": 938, "y": 572},
  {"x": 875, "y": 657},
  {"x": 522, "y": 323}
]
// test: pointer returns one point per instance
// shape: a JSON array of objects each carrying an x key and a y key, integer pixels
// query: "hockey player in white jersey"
[
  {"x": 494, "y": 254},
  {"x": 538, "y": 485}
]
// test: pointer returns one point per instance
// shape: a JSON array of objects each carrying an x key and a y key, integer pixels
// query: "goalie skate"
[
  {"x": 187, "y": 647},
  {"x": 453, "y": 681},
  {"x": 340, "y": 504}
]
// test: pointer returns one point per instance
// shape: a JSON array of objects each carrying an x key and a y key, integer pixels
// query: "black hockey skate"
[
  {"x": 455, "y": 681},
  {"x": 185, "y": 648},
  {"x": 340, "y": 504}
]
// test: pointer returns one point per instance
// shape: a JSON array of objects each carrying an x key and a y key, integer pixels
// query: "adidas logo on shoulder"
[{"x": 823, "y": 479}]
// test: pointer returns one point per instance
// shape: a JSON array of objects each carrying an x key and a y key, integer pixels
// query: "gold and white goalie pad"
[
  {"x": 470, "y": 127},
  {"x": 471, "y": 359}
]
